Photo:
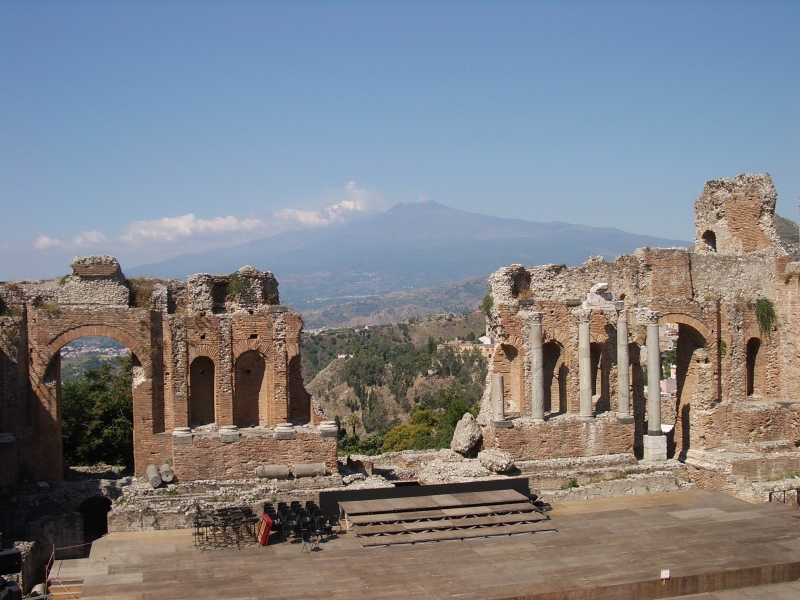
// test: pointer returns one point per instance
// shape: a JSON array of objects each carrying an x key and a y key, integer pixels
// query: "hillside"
[{"x": 371, "y": 379}]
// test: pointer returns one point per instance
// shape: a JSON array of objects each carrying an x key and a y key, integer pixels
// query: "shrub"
[
  {"x": 486, "y": 305},
  {"x": 237, "y": 286},
  {"x": 141, "y": 295},
  {"x": 765, "y": 314}
]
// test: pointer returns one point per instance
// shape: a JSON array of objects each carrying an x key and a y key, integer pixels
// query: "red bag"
[{"x": 264, "y": 527}]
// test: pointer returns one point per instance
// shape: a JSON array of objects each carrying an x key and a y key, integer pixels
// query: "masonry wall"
[
  {"x": 562, "y": 437},
  {"x": 208, "y": 458}
]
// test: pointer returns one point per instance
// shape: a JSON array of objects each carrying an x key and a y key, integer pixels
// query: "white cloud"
[
  {"x": 188, "y": 233},
  {"x": 173, "y": 229},
  {"x": 355, "y": 202},
  {"x": 43, "y": 242},
  {"x": 88, "y": 238}
]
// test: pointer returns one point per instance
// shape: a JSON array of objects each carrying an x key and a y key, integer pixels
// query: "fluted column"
[
  {"x": 585, "y": 364},
  {"x": 537, "y": 367},
  {"x": 623, "y": 367},
  {"x": 653, "y": 375}
]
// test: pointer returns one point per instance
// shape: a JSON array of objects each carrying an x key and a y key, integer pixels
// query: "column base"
[
  {"x": 538, "y": 421},
  {"x": 655, "y": 447},
  {"x": 625, "y": 419},
  {"x": 504, "y": 424},
  {"x": 586, "y": 419}
]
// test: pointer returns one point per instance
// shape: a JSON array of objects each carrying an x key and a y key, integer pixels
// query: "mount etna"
[{"x": 413, "y": 259}]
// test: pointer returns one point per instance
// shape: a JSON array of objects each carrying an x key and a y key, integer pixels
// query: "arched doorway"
[
  {"x": 201, "y": 391},
  {"x": 249, "y": 382},
  {"x": 95, "y": 511},
  {"x": 599, "y": 376},
  {"x": 508, "y": 362},
  {"x": 756, "y": 369},
  {"x": 695, "y": 386},
  {"x": 555, "y": 378},
  {"x": 93, "y": 381}
]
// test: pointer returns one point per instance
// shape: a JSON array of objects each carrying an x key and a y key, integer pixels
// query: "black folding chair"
[{"x": 309, "y": 542}]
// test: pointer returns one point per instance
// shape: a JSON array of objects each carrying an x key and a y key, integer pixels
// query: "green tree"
[{"x": 98, "y": 416}]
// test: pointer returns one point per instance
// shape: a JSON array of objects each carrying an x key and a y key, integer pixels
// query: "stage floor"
[{"x": 708, "y": 541}]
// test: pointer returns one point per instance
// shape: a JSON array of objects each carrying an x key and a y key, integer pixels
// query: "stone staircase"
[{"x": 65, "y": 579}]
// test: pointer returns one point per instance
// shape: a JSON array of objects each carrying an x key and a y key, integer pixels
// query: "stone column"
[
  {"x": 585, "y": 364},
  {"x": 537, "y": 367},
  {"x": 655, "y": 443},
  {"x": 498, "y": 401},
  {"x": 623, "y": 369}
]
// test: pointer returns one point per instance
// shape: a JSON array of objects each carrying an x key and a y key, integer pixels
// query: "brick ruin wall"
[
  {"x": 710, "y": 294},
  {"x": 246, "y": 344}
]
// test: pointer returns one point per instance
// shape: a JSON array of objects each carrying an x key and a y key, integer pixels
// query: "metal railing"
[{"x": 789, "y": 496}]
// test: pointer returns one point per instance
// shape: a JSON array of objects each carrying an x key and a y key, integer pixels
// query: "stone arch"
[
  {"x": 115, "y": 333},
  {"x": 202, "y": 391},
  {"x": 45, "y": 379},
  {"x": 756, "y": 368},
  {"x": 95, "y": 511},
  {"x": 207, "y": 350},
  {"x": 683, "y": 319},
  {"x": 555, "y": 335},
  {"x": 242, "y": 346}
]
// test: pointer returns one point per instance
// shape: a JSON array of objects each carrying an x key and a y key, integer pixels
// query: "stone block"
[
  {"x": 655, "y": 447},
  {"x": 228, "y": 434},
  {"x": 503, "y": 424},
  {"x": 328, "y": 429},
  {"x": 182, "y": 435},
  {"x": 285, "y": 431}
]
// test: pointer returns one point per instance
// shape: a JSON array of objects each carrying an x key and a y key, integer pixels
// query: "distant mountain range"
[{"x": 410, "y": 246}]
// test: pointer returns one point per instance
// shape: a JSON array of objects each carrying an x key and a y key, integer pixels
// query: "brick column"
[
  {"x": 585, "y": 364},
  {"x": 537, "y": 367}
]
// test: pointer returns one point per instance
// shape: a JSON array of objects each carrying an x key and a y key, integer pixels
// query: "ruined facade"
[
  {"x": 570, "y": 374},
  {"x": 217, "y": 389}
]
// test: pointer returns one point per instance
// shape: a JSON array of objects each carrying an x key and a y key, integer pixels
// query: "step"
[
  {"x": 461, "y": 534},
  {"x": 432, "y": 502},
  {"x": 418, "y": 515},
  {"x": 462, "y": 523}
]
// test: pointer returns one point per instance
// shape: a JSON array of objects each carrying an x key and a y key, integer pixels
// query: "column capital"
[
  {"x": 584, "y": 314},
  {"x": 536, "y": 318},
  {"x": 649, "y": 317},
  {"x": 622, "y": 315}
]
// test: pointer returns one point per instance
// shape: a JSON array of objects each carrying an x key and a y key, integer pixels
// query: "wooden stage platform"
[
  {"x": 442, "y": 517},
  {"x": 612, "y": 548}
]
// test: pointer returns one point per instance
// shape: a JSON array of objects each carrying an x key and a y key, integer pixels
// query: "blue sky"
[{"x": 149, "y": 129}]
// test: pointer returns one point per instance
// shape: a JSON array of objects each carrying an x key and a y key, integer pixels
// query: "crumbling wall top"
[
  {"x": 96, "y": 266},
  {"x": 734, "y": 216}
]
